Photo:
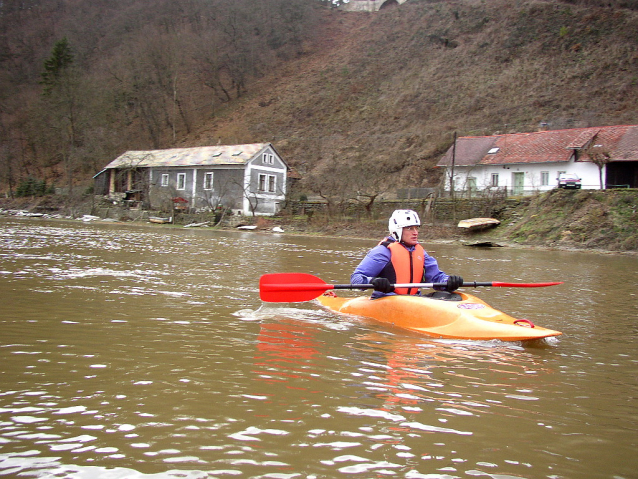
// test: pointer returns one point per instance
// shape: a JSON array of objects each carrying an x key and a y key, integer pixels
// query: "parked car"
[{"x": 568, "y": 180}]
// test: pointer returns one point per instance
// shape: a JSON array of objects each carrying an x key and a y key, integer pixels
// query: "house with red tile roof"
[{"x": 524, "y": 163}]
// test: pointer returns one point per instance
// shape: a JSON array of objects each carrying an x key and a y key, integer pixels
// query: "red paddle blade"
[
  {"x": 525, "y": 285},
  {"x": 291, "y": 287}
]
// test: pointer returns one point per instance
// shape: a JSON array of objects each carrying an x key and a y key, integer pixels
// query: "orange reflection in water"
[
  {"x": 285, "y": 351},
  {"x": 449, "y": 373}
]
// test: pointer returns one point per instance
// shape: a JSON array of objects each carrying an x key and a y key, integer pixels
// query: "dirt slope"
[{"x": 391, "y": 87}]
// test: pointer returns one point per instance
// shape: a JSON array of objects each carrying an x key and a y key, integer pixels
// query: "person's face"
[{"x": 410, "y": 235}]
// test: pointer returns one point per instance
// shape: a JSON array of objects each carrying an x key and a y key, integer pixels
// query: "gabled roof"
[
  {"x": 584, "y": 138},
  {"x": 553, "y": 146},
  {"x": 537, "y": 147},
  {"x": 197, "y": 156},
  {"x": 620, "y": 141},
  {"x": 469, "y": 150}
]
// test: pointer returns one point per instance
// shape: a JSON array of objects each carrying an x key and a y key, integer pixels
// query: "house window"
[
  {"x": 208, "y": 181},
  {"x": 544, "y": 178},
  {"x": 267, "y": 183},
  {"x": 164, "y": 181},
  {"x": 268, "y": 159},
  {"x": 181, "y": 181},
  {"x": 495, "y": 180}
]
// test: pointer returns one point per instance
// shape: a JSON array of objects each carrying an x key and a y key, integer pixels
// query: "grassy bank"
[{"x": 580, "y": 219}]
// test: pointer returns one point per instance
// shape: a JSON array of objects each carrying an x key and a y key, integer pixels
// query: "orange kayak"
[{"x": 456, "y": 316}]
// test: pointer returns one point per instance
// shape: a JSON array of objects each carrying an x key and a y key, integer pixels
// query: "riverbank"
[
  {"x": 605, "y": 220},
  {"x": 594, "y": 220}
]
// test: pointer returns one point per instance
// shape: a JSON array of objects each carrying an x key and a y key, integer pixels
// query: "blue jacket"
[{"x": 378, "y": 257}]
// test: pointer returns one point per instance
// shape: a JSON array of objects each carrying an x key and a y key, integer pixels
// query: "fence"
[
  {"x": 431, "y": 210},
  {"x": 500, "y": 191}
]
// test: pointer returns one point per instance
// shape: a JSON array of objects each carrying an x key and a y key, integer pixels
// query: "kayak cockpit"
[{"x": 444, "y": 296}]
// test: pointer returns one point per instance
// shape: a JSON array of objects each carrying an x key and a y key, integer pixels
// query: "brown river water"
[{"x": 145, "y": 352}]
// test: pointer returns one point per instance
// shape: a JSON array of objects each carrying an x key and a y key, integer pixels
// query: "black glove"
[
  {"x": 454, "y": 283},
  {"x": 382, "y": 284}
]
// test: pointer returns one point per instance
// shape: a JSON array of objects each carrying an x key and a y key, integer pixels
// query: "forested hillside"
[{"x": 357, "y": 103}]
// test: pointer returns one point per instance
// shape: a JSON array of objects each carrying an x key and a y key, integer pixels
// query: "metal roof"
[{"x": 197, "y": 156}]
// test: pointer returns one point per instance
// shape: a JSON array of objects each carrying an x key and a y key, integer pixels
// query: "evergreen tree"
[
  {"x": 63, "y": 103},
  {"x": 60, "y": 60}
]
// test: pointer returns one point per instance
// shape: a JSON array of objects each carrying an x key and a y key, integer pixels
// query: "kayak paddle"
[{"x": 296, "y": 287}]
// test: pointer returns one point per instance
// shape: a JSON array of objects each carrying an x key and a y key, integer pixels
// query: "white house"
[
  {"x": 530, "y": 162},
  {"x": 250, "y": 179},
  {"x": 368, "y": 5}
]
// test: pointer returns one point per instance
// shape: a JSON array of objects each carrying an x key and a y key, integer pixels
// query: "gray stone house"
[{"x": 249, "y": 179}]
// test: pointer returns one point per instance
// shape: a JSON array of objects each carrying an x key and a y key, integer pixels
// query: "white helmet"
[{"x": 401, "y": 219}]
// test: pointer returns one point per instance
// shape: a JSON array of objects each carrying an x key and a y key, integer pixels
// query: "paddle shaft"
[
  {"x": 467, "y": 284},
  {"x": 293, "y": 287}
]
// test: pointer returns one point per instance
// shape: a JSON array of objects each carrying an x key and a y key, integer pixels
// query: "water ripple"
[{"x": 129, "y": 353}]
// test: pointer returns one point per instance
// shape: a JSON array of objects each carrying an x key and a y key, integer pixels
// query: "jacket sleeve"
[
  {"x": 371, "y": 265},
  {"x": 431, "y": 271}
]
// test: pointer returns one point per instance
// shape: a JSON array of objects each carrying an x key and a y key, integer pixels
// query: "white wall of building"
[
  {"x": 365, "y": 5},
  {"x": 481, "y": 176}
]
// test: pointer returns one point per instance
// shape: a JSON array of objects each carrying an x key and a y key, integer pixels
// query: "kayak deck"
[{"x": 460, "y": 316}]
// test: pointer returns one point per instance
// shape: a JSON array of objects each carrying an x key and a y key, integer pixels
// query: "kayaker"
[{"x": 399, "y": 258}]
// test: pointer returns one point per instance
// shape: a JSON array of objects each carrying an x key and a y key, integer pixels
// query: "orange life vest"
[{"x": 407, "y": 265}]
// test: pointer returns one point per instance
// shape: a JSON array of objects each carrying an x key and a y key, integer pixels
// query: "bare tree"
[
  {"x": 600, "y": 157},
  {"x": 368, "y": 184},
  {"x": 333, "y": 183}
]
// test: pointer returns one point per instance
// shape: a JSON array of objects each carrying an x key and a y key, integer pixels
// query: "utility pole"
[
  {"x": 452, "y": 180},
  {"x": 452, "y": 169}
]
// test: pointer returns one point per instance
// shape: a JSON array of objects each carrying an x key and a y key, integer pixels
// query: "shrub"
[{"x": 34, "y": 187}]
